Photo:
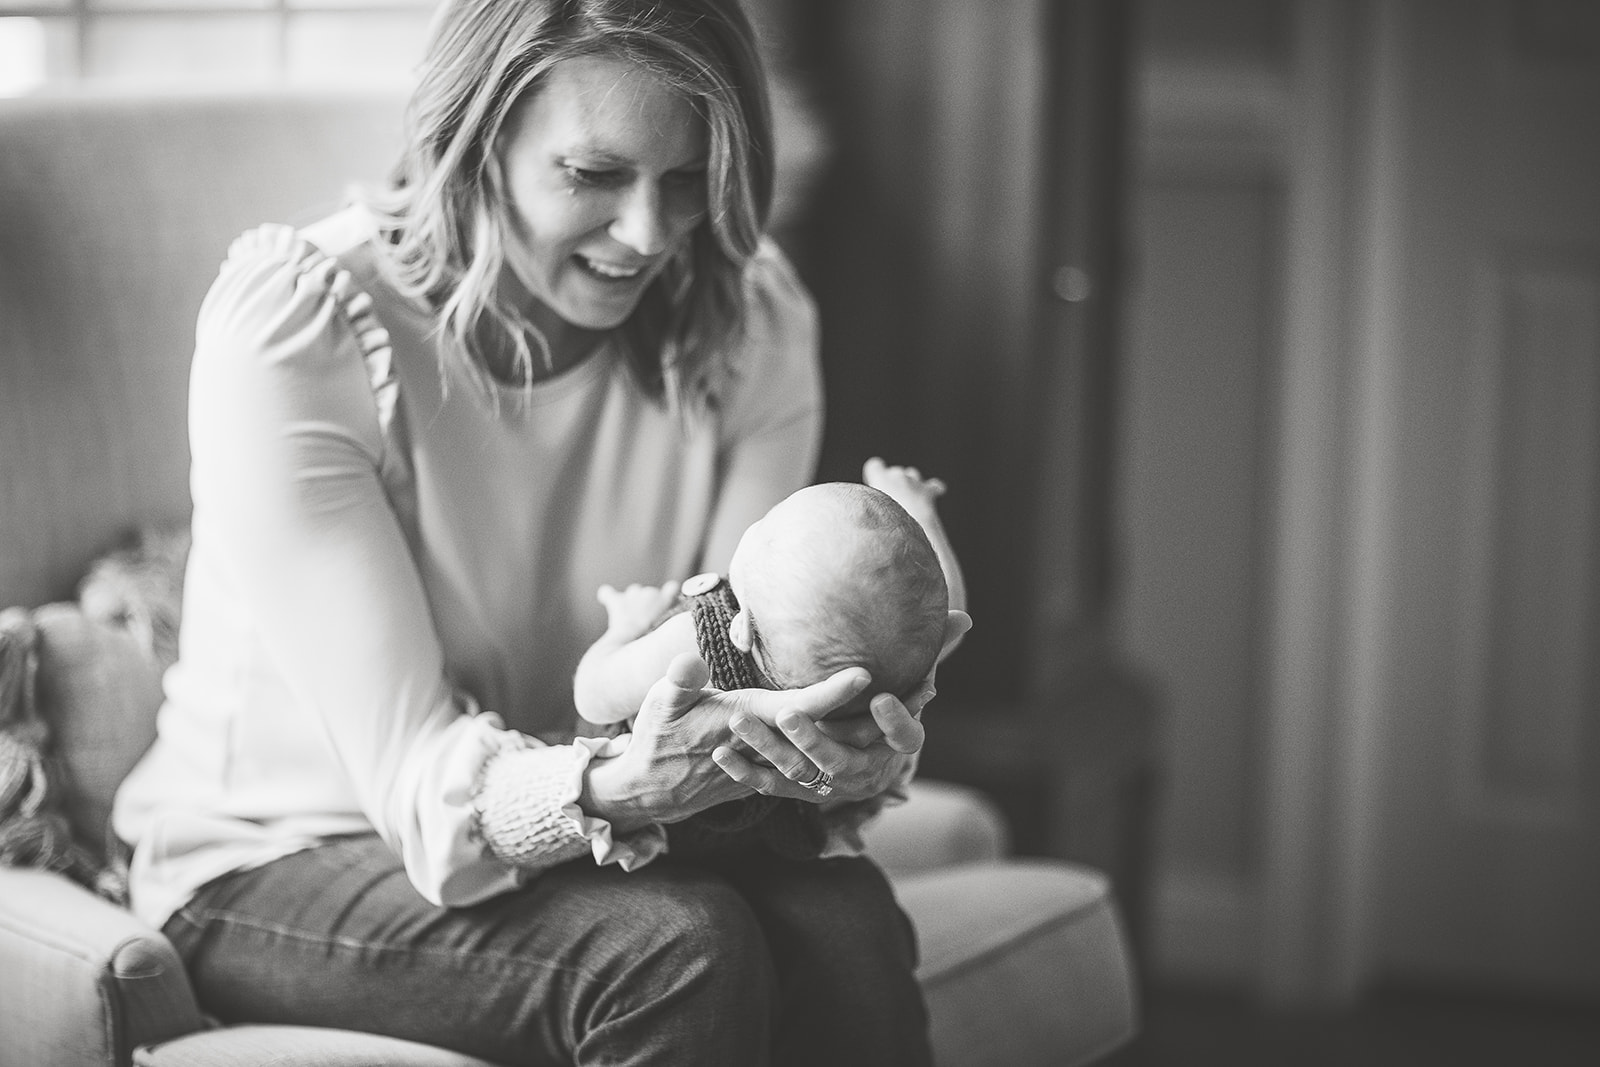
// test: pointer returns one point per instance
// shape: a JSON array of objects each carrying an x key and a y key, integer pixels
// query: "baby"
[{"x": 835, "y": 575}]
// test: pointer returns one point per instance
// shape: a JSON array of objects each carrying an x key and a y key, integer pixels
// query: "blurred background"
[{"x": 1259, "y": 343}]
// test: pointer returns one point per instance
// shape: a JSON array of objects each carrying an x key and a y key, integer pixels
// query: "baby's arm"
[
  {"x": 917, "y": 495},
  {"x": 632, "y": 655}
]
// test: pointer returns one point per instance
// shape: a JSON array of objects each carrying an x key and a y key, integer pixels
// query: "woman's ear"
[{"x": 739, "y": 631}]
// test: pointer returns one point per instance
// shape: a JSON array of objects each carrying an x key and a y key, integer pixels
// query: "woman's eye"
[{"x": 604, "y": 179}]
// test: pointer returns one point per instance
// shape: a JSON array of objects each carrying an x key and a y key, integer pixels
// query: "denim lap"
[{"x": 674, "y": 963}]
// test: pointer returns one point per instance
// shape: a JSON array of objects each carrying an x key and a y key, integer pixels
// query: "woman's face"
[{"x": 605, "y": 168}]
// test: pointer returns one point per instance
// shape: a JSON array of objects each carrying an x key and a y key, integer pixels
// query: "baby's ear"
[
  {"x": 956, "y": 625},
  {"x": 739, "y": 631}
]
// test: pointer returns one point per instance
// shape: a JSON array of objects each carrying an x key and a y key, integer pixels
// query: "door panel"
[{"x": 1491, "y": 870}]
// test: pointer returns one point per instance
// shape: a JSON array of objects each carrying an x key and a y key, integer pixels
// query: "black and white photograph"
[{"x": 799, "y": 533}]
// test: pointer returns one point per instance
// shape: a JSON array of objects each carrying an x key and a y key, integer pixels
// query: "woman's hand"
[
  {"x": 864, "y": 755},
  {"x": 863, "y": 760},
  {"x": 669, "y": 771}
]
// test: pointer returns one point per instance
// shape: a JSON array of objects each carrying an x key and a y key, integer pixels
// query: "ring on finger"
[{"x": 821, "y": 785}]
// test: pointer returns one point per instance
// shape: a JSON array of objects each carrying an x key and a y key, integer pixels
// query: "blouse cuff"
[{"x": 526, "y": 800}]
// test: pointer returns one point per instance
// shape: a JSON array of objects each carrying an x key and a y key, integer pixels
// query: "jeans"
[{"x": 741, "y": 960}]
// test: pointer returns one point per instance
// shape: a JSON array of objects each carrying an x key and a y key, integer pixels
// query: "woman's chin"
[{"x": 603, "y": 311}]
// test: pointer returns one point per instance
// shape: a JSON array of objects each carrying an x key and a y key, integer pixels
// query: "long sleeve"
[
  {"x": 291, "y": 509},
  {"x": 393, "y": 574}
]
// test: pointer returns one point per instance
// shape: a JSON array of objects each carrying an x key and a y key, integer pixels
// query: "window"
[{"x": 50, "y": 45}]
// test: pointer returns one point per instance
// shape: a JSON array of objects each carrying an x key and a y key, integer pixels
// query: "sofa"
[{"x": 114, "y": 215}]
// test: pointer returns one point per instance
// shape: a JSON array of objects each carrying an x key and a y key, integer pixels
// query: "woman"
[{"x": 555, "y": 353}]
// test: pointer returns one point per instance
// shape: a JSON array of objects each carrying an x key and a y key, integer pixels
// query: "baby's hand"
[
  {"x": 905, "y": 485},
  {"x": 632, "y": 612}
]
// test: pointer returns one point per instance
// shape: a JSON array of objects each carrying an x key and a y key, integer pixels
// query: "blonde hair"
[{"x": 445, "y": 211}]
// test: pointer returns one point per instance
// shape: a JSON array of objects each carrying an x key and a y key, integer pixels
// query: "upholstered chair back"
[{"x": 106, "y": 249}]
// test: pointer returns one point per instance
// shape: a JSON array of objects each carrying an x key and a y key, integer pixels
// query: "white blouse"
[{"x": 393, "y": 575}]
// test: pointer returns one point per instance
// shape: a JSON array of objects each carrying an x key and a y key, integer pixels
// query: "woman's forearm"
[{"x": 609, "y": 792}]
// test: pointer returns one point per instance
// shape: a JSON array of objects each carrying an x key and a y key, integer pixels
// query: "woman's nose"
[{"x": 641, "y": 220}]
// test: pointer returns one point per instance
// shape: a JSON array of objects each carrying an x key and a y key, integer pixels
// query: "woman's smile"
[{"x": 608, "y": 271}]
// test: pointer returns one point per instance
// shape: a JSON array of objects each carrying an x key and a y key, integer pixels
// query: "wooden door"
[{"x": 1489, "y": 869}]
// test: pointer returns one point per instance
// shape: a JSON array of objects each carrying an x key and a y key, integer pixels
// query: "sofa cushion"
[
  {"x": 99, "y": 689},
  {"x": 943, "y": 824},
  {"x": 1023, "y": 963},
  {"x": 296, "y": 1046}
]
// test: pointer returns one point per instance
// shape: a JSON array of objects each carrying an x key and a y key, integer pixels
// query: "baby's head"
[{"x": 839, "y": 575}]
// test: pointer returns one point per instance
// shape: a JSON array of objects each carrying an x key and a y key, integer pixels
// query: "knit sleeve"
[
  {"x": 287, "y": 438},
  {"x": 526, "y": 800}
]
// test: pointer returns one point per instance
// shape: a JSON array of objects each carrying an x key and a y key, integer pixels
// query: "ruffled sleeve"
[{"x": 291, "y": 394}]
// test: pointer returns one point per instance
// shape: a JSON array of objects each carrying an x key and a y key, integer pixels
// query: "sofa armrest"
[
  {"x": 83, "y": 981},
  {"x": 1024, "y": 963},
  {"x": 940, "y": 825}
]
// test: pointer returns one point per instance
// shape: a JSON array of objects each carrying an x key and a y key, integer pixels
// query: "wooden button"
[{"x": 701, "y": 583}]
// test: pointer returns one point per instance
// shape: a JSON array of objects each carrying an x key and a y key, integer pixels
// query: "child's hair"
[{"x": 857, "y": 584}]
